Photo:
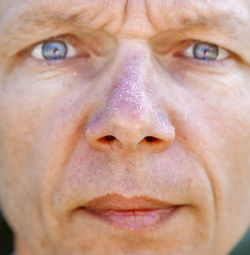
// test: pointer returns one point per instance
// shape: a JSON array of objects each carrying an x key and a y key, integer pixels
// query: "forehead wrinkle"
[
  {"x": 178, "y": 14},
  {"x": 136, "y": 22},
  {"x": 58, "y": 12},
  {"x": 62, "y": 11}
]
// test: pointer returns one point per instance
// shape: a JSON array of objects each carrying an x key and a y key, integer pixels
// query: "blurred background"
[{"x": 6, "y": 241}]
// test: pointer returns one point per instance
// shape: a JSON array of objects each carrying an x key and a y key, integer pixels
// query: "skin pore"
[{"x": 131, "y": 112}]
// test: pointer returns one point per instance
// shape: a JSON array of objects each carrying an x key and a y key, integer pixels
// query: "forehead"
[{"x": 158, "y": 13}]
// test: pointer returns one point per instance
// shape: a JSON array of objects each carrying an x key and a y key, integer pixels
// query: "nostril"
[
  {"x": 107, "y": 139},
  {"x": 151, "y": 139}
]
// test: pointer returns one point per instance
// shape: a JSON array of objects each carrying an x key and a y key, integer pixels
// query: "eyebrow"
[
  {"x": 232, "y": 27},
  {"x": 32, "y": 23},
  {"x": 27, "y": 25},
  {"x": 230, "y": 20}
]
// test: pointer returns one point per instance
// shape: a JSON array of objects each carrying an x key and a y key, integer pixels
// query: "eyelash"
[
  {"x": 72, "y": 52},
  {"x": 207, "y": 65},
  {"x": 37, "y": 50},
  {"x": 222, "y": 53}
]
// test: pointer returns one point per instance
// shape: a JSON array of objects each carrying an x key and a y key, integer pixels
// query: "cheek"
[
  {"x": 216, "y": 129},
  {"x": 26, "y": 104},
  {"x": 30, "y": 104},
  {"x": 26, "y": 101}
]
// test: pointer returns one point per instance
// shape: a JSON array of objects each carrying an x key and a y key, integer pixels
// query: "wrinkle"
[
  {"x": 125, "y": 11},
  {"x": 136, "y": 23}
]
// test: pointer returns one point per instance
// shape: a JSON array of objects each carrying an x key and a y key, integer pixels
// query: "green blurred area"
[{"x": 6, "y": 241}]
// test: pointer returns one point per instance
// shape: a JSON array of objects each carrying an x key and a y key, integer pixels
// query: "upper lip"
[{"x": 118, "y": 202}]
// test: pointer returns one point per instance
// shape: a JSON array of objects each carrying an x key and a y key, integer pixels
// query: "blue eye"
[
  {"x": 206, "y": 52},
  {"x": 53, "y": 50}
]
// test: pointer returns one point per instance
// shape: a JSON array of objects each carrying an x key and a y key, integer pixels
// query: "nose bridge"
[{"x": 130, "y": 96}]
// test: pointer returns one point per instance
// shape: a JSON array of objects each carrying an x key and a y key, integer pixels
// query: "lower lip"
[{"x": 135, "y": 220}]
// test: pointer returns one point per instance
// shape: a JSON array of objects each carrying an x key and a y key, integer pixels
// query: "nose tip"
[{"x": 127, "y": 133}]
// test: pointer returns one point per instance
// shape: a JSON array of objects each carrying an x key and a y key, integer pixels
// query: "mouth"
[
  {"x": 134, "y": 214},
  {"x": 135, "y": 220}
]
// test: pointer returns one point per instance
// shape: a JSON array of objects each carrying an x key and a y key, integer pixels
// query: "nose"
[{"x": 130, "y": 120}]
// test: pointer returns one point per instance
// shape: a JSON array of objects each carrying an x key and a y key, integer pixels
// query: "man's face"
[{"x": 125, "y": 125}]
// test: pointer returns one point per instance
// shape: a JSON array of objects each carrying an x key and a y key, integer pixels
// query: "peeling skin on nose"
[
  {"x": 130, "y": 94},
  {"x": 162, "y": 121}
]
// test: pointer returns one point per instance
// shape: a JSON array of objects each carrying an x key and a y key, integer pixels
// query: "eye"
[
  {"x": 53, "y": 50},
  {"x": 206, "y": 52}
]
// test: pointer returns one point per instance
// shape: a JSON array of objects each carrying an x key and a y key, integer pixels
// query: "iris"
[
  {"x": 206, "y": 51},
  {"x": 54, "y": 50}
]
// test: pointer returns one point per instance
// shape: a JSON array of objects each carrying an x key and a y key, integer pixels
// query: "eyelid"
[
  {"x": 37, "y": 50},
  {"x": 223, "y": 53}
]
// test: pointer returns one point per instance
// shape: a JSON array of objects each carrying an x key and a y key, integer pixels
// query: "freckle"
[{"x": 42, "y": 243}]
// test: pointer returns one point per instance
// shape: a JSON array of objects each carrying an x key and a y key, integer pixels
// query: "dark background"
[{"x": 6, "y": 241}]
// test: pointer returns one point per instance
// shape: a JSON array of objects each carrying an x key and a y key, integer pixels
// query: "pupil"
[
  {"x": 206, "y": 51},
  {"x": 54, "y": 50}
]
